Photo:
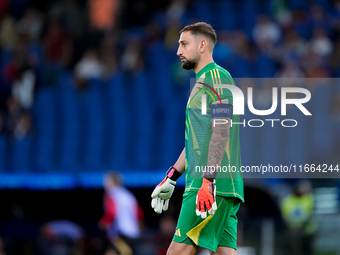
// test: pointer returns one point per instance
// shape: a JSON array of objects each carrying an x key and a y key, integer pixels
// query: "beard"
[{"x": 190, "y": 64}]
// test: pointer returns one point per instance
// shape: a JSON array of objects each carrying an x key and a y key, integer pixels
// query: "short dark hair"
[{"x": 201, "y": 28}]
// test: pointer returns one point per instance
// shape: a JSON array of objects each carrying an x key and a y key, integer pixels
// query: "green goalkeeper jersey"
[{"x": 198, "y": 131}]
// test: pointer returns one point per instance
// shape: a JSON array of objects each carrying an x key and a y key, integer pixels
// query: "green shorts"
[{"x": 219, "y": 229}]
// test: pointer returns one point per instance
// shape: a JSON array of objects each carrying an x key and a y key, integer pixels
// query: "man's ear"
[{"x": 202, "y": 46}]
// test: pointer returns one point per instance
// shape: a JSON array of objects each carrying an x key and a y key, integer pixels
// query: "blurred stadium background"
[{"x": 93, "y": 85}]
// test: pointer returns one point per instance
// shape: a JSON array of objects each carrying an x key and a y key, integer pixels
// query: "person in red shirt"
[{"x": 122, "y": 215}]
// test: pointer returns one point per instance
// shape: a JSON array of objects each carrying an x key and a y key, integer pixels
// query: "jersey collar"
[{"x": 208, "y": 67}]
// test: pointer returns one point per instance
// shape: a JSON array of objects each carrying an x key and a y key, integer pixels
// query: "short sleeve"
[{"x": 214, "y": 77}]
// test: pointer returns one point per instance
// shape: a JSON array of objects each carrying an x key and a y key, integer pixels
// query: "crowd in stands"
[
  {"x": 93, "y": 40},
  {"x": 99, "y": 39}
]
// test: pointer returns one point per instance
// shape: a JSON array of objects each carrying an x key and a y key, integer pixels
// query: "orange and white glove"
[{"x": 206, "y": 199}]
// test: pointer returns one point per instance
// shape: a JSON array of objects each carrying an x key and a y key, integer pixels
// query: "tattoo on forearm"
[{"x": 217, "y": 145}]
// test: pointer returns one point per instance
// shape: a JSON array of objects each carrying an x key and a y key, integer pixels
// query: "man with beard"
[{"x": 211, "y": 158}]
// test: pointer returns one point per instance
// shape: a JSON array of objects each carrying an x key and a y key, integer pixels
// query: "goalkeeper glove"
[
  {"x": 206, "y": 199},
  {"x": 163, "y": 191}
]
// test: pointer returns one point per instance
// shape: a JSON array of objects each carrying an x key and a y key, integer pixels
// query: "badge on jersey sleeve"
[{"x": 224, "y": 110}]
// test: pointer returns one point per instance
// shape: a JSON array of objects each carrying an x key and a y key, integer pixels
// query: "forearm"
[
  {"x": 217, "y": 146},
  {"x": 180, "y": 163}
]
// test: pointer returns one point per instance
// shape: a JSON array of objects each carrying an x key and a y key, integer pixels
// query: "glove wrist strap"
[
  {"x": 209, "y": 179},
  {"x": 173, "y": 174},
  {"x": 210, "y": 174}
]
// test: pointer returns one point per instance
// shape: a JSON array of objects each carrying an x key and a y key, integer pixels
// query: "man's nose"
[{"x": 179, "y": 52}]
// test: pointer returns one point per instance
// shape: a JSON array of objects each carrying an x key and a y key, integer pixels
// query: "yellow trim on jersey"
[
  {"x": 218, "y": 90},
  {"x": 215, "y": 74},
  {"x": 194, "y": 139},
  {"x": 219, "y": 77},
  {"x": 217, "y": 81},
  {"x": 210, "y": 95},
  {"x": 186, "y": 130},
  {"x": 212, "y": 77},
  {"x": 227, "y": 150},
  {"x": 190, "y": 184},
  {"x": 232, "y": 181}
]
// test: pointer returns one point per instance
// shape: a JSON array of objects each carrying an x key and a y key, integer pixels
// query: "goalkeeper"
[{"x": 212, "y": 197}]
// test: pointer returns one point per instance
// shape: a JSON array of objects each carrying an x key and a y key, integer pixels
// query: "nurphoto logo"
[{"x": 238, "y": 104}]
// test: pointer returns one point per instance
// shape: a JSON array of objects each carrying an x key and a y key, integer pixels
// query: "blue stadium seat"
[
  {"x": 68, "y": 123},
  {"x": 297, "y": 139},
  {"x": 237, "y": 9},
  {"x": 156, "y": 55},
  {"x": 221, "y": 20},
  {"x": 171, "y": 134},
  {"x": 203, "y": 10},
  {"x": 145, "y": 118},
  {"x": 264, "y": 7},
  {"x": 322, "y": 135},
  {"x": 272, "y": 142},
  {"x": 222, "y": 54},
  {"x": 298, "y": 4},
  {"x": 93, "y": 118},
  {"x": 159, "y": 62},
  {"x": 6, "y": 55},
  {"x": 45, "y": 123},
  {"x": 38, "y": 52},
  {"x": 21, "y": 155},
  {"x": 250, "y": 12},
  {"x": 324, "y": 4},
  {"x": 3, "y": 149},
  {"x": 249, "y": 147},
  {"x": 44, "y": 108},
  {"x": 241, "y": 67},
  {"x": 44, "y": 151},
  {"x": 304, "y": 29},
  {"x": 118, "y": 120},
  {"x": 264, "y": 66}
]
